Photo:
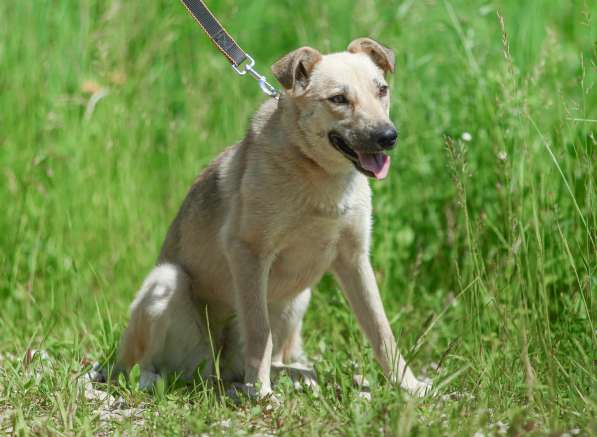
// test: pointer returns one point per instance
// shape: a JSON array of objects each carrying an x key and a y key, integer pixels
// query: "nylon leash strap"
[{"x": 241, "y": 61}]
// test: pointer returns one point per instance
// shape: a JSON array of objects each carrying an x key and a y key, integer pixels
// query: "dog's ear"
[
  {"x": 381, "y": 55},
  {"x": 294, "y": 70}
]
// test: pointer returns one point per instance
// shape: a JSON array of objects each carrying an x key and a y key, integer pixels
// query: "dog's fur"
[{"x": 264, "y": 222}]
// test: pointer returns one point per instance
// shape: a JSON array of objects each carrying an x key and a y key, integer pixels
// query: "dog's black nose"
[{"x": 387, "y": 138}]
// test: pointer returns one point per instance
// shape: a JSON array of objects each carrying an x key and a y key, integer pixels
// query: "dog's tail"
[
  {"x": 133, "y": 344},
  {"x": 136, "y": 337},
  {"x": 145, "y": 334},
  {"x": 130, "y": 351}
]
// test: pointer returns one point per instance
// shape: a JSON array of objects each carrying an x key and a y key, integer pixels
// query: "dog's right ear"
[{"x": 294, "y": 70}]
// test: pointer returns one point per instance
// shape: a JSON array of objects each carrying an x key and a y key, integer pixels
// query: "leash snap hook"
[
  {"x": 247, "y": 66},
  {"x": 264, "y": 85},
  {"x": 268, "y": 88}
]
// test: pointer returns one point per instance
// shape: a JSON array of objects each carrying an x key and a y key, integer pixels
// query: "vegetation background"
[{"x": 485, "y": 232}]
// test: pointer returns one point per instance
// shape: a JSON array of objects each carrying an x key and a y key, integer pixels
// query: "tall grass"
[{"x": 485, "y": 235}]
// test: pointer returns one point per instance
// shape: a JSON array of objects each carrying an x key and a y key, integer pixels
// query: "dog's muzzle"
[{"x": 372, "y": 164}]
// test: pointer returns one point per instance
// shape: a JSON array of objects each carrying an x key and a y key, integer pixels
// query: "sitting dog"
[{"x": 265, "y": 221}]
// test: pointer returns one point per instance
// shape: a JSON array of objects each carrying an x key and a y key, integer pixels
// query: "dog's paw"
[
  {"x": 251, "y": 391},
  {"x": 97, "y": 374},
  {"x": 301, "y": 375},
  {"x": 417, "y": 388},
  {"x": 148, "y": 379}
]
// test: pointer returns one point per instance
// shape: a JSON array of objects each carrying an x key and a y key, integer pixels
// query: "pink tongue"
[{"x": 376, "y": 163}]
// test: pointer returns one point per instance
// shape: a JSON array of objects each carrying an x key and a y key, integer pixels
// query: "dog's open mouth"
[{"x": 375, "y": 165}]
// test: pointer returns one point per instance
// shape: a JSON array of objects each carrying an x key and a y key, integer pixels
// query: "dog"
[{"x": 265, "y": 221}]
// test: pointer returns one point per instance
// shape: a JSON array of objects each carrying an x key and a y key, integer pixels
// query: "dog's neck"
[{"x": 276, "y": 122}]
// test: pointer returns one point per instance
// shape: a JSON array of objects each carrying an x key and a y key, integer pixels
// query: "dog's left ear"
[
  {"x": 381, "y": 55},
  {"x": 294, "y": 70}
]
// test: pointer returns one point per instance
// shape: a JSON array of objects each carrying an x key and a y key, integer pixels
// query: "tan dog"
[{"x": 265, "y": 221}]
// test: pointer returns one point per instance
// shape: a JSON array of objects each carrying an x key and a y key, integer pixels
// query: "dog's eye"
[
  {"x": 383, "y": 91},
  {"x": 338, "y": 99}
]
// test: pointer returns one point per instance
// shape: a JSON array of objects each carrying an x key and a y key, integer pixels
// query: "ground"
[{"x": 485, "y": 235}]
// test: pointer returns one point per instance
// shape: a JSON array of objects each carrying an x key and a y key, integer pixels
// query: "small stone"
[
  {"x": 502, "y": 428},
  {"x": 92, "y": 394},
  {"x": 360, "y": 381},
  {"x": 120, "y": 415},
  {"x": 365, "y": 395},
  {"x": 456, "y": 396}
]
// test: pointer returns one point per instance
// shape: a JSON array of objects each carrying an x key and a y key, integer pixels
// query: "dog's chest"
[{"x": 307, "y": 249}]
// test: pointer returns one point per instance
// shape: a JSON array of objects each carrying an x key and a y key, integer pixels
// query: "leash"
[{"x": 240, "y": 60}]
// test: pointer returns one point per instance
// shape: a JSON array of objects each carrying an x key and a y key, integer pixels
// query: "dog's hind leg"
[
  {"x": 286, "y": 319},
  {"x": 164, "y": 333},
  {"x": 288, "y": 357}
]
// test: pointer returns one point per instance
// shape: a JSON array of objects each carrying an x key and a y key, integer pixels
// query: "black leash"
[{"x": 226, "y": 44}]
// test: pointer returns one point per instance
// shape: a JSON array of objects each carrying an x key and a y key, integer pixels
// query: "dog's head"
[{"x": 342, "y": 105}]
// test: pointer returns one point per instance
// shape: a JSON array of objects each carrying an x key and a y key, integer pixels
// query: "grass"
[{"x": 485, "y": 235}]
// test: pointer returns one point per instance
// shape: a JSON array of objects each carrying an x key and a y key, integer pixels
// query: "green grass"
[{"x": 485, "y": 249}]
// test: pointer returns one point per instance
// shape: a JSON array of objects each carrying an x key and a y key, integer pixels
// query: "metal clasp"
[
  {"x": 250, "y": 65},
  {"x": 265, "y": 86}
]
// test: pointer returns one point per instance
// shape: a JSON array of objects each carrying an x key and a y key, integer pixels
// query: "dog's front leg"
[
  {"x": 357, "y": 278},
  {"x": 250, "y": 273}
]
